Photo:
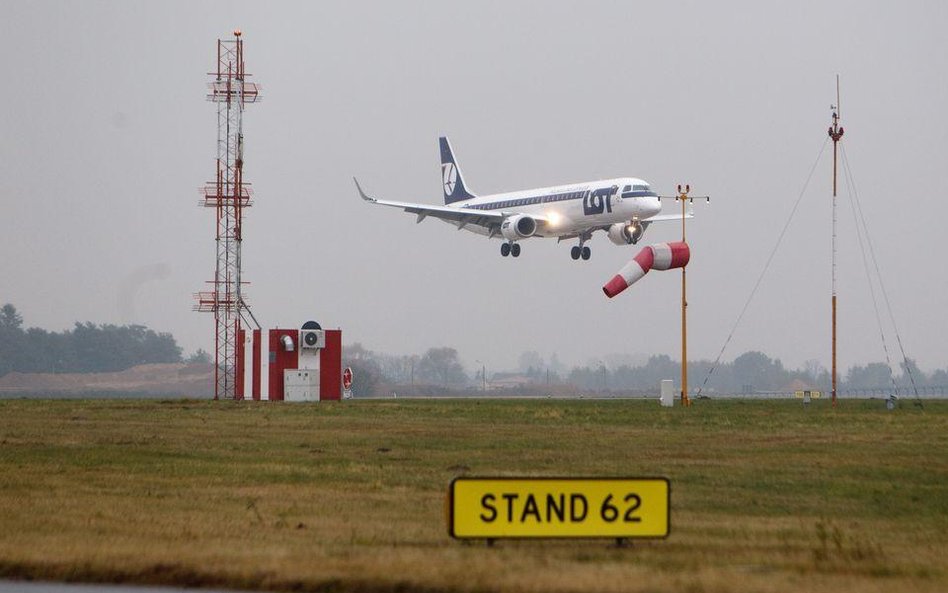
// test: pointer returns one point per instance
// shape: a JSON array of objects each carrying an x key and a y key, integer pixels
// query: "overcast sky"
[{"x": 106, "y": 137}]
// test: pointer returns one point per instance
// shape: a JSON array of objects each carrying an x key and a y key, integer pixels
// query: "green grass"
[{"x": 766, "y": 495}]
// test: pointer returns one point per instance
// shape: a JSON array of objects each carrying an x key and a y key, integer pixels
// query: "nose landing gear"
[{"x": 637, "y": 230}]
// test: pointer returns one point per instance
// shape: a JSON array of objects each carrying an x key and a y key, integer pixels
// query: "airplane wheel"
[
  {"x": 575, "y": 252},
  {"x": 505, "y": 249},
  {"x": 586, "y": 253},
  {"x": 515, "y": 250}
]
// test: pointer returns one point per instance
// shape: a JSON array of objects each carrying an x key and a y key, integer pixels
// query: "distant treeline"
[
  {"x": 439, "y": 371},
  {"x": 85, "y": 348},
  {"x": 103, "y": 348},
  {"x": 752, "y": 372}
]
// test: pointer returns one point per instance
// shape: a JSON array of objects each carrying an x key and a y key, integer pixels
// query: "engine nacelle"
[
  {"x": 516, "y": 227},
  {"x": 626, "y": 233}
]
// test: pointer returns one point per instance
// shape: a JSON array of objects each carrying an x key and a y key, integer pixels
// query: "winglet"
[{"x": 362, "y": 193}]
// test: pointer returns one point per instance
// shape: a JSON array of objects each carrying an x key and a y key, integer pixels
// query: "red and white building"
[{"x": 290, "y": 364}]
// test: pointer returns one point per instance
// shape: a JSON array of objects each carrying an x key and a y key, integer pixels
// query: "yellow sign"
[
  {"x": 559, "y": 507},
  {"x": 803, "y": 394}
]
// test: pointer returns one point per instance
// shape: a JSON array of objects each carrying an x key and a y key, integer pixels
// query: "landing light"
[{"x": 554, "y": 218}]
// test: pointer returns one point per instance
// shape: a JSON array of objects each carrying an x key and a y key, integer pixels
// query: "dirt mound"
[{"x": 192, "y": 380}]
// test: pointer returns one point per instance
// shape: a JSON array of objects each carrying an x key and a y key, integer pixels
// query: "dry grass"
[{"x": 766, "y": 496}]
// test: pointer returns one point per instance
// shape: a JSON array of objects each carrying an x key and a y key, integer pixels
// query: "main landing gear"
[
  {"x": 580, "y": 251},
  {"x": 510, "y": 248}
]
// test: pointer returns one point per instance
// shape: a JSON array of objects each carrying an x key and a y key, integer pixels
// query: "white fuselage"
[{"x": 575, "y": 208}]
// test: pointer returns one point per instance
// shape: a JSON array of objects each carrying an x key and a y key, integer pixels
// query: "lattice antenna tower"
[{"x": 228, "y": 195}]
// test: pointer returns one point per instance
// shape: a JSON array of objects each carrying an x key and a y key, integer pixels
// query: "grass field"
[{"x": 766, "y": 495}]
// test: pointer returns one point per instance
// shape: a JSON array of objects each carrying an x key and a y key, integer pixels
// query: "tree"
[
  {"x": 9, "y": 318},
  {"x": 201, "y": 356},
  {"x": 757, "y": 370},
  {"x": 814, "y": 369},
  {"x": 86, "y": 348},
  {"x": 365, "y": 378},
  {"x": 585, "y": 377},
  {"x": 356, "y": 355},
  {"x": 939, "y": 378},
  {"x": 530, "y": 359},
  {"x": 911, "y": 371},
  {"x": 441, "y": 366},
  {"x": 356, "y": 351},
  {"x": 556, "y": 366},
  {"x": 873, "y": 375},
  {"x": 12, "y": 355}
]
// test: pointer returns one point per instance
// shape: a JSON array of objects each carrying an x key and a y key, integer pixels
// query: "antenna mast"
[
  {"x": 228, "y": 195},
  {"x": 836, "y": 133}
]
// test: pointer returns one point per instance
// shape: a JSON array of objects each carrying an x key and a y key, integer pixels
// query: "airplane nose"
[{"x": 656, "y": 206}]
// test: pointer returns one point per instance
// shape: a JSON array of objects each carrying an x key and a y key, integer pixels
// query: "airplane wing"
[
  {"x": 663, "y": 217},
  {"x": 461, "y": 217},
  {"x": 690, "y": 213},
  {"x": 587, "y": 234}
]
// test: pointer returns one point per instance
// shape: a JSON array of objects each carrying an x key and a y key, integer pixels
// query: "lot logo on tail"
[{"x": 449, "y": 175}]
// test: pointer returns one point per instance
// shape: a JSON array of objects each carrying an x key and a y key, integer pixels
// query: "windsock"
[{"x": 661, "y": 256}]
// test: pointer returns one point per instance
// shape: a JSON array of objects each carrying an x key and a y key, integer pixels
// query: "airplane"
[{"x": 622, "y": 207}]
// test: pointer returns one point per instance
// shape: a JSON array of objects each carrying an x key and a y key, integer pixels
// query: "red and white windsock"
[{"x": 661, "y": 256}]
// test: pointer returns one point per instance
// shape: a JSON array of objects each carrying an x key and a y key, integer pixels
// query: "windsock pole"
[
  {"x": 663, "y": 256},
  {"x": 685, "y": 400}
]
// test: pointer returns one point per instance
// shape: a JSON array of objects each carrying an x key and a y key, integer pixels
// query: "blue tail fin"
[{"x": 454, "y": 188}]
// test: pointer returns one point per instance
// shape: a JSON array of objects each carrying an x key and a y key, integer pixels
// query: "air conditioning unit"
[{"x": 312, "y": 339}]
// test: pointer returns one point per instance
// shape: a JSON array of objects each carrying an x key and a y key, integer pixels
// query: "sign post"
[
  {"x": 807, "y": 396},
  {"x": 347, "y": 383}
]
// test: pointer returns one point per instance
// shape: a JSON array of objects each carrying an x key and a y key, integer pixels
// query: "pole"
[
  {"x": 836, "y": 133},
  {"x": 685, "y": 400}
]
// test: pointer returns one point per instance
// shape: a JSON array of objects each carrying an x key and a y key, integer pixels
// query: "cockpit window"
[{"x": 637, "y": 191}]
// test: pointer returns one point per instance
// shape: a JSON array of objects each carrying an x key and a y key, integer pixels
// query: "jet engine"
[
  {"x": 519, "y": 226},
  {"x": 626, "y": 233}
]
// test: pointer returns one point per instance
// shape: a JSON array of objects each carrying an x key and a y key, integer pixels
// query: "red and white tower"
[{"x": 229, "y": 194}]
